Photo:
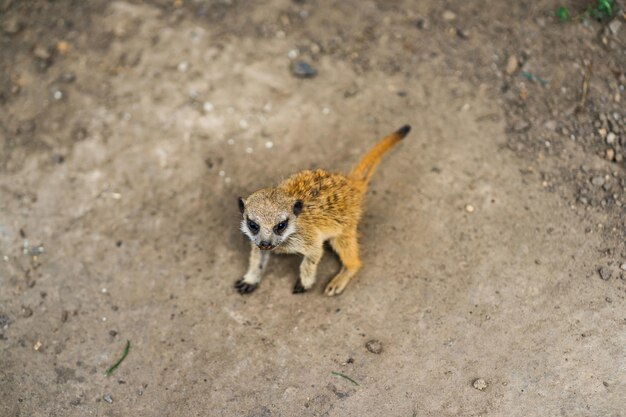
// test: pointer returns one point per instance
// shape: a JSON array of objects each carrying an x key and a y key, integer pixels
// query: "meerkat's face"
[{"x": 269, "y": 217}]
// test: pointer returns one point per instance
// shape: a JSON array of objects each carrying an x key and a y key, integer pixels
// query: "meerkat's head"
[{"x": 269, "y": 217}]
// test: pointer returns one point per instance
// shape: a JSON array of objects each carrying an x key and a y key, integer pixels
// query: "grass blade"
[
  {"x": 346, "y": 377},
  {"x": 116, "y": 364}
]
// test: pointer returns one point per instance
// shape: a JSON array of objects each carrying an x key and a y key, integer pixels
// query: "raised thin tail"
[{"x": 367, "y": 165}]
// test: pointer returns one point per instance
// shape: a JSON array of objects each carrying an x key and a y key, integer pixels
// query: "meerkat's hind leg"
[
  {"x": 347, "y": 247},
  {"x": 252, "y": 278}
]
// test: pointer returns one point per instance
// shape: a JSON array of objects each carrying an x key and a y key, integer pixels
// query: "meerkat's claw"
[
  {"x": 243, "y": 287},
  {"x": 298, "y": 288},
  {"x": 335, "y": 287}
]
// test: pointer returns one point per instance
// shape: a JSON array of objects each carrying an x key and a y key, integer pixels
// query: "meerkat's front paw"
[
  {"x": 336, "y": 286},
  {"x": 298, "y": 288},
  {"x": 243, "y": 287}
]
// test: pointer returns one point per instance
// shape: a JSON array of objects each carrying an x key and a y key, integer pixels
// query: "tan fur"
[{"x": 331, "y": 207}]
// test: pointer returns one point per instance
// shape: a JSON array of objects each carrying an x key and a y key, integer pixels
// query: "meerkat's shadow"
[{"x": 285, "y": 267}]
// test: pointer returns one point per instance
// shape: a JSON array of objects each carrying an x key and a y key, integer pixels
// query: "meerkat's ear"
[
  {"x": 297, "y": 207},
  {"x": 242, "y": 205}
]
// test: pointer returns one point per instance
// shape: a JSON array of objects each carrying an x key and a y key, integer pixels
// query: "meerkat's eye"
[
  {"x": 280, "y": 227},
  {"x": 254, "y": 228}
]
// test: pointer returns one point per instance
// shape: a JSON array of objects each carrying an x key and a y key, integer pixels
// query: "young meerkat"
[{"x": 303, "y": 212}]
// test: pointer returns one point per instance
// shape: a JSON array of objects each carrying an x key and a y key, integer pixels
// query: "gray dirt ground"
[{"x": 113, "y": 163}]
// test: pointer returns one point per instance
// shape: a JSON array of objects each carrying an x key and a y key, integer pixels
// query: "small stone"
[
  {"x": 511, "y": 65},
  {"x": 610, "y": 138},
  {"x": 421, "y": 23},
  {"x": 58, "y": 158},
  {"x": 448, "y": 16},
  {"x": 375, "y": 346},
  {"x": 610, "y": 154},
  {"x": 64, "y": 316},
  {"x": 57, "y": 94},
  {"x": 12, "y": 26},
  {"x": 302, "y": 69},
  {"x": 62, "y": 47},
  {"x": 480, "y": 384},
  {"x": 108, "y": 398},
  {"x": 550, "y": 125},
  {"x": 605, "y": 273},
  {"x": 68, "y": 77},
  {"x": 608, "y": 300},
  {"x": 598, "y": 180},
  {"x": 469, "y": 208},
  {"x": 208, "y": 107},
  {"x": 463, "y": 33},
  {"x": 112, "y": 333},
  {"x": 183, "y": 66},
  {"x": 623, "y": 266},
  {"x": 27, "y": 311},
  {"x": 521, "y": 126},
  {"x": 615, "y": 25},
  {"x": 37, "y": 346},
  {"x": 42, "y": 52},
  {"x": 269, "y": 145}
]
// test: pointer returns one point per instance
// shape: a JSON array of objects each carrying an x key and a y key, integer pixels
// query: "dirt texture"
[{"x": 494, "y": 264}]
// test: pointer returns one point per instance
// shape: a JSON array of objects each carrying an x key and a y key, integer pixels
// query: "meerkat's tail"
[{"x": 367, "y": 165}]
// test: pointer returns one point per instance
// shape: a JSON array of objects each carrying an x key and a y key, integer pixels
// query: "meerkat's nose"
[{"x": 265, "y": 244}]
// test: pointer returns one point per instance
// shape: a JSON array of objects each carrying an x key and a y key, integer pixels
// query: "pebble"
[
  {"x": 598, "y": 180},
  {"x": 302, "y": 69},
  {"x": 68, "y": 77},
  {"x": 469, "y": 208},
  {"x": 108, "y": 398},
  {"x": 269, "y": 145},
  {"x": 375, "y": 346},
  {"x": 208, "y": 107},
  {"x": 610, "y": 138},
  {"x": 42, "y": 52},
  {"x": 550, "y": 125},
  {"x": 623, "y": 266},
  {"x": 615, "y": 25},
  {"x": 27, "y": 311},
  {"x": 421, "y": 23},
  {"x": 521, "y": 126},
  {"x": 610, "y": 154},
  {"x": 12, "y": 26},
  {"x": 57, "y": 94},
  {"x": 183, "y": 66},
  {"x": 480, "y": 384},
  {"x": 58, "y": 158},
  {"x": 448, "y": 16},
  {"x": 463, "y": 33},
  {"x": 511, "y": 65},
  {"x": 605, "y": 273}
]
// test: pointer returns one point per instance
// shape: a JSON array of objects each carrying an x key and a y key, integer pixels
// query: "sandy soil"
[{"x": 127, "y": 130}]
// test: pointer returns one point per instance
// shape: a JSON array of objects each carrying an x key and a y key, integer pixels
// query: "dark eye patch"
[
  {"x": 280, "y": 227},
  {"x": 254, "y": 228}
]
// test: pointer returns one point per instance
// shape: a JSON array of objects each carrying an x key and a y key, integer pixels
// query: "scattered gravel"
[
  {"x": 302, "y": 69},
  {"x": 375, "y": 346},
  {"x": 480, "y": 384},
  {"x": 108, "y": 398},
  {"x": 605, "y": 273}
]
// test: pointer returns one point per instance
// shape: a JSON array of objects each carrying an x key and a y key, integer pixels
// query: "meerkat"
[{"x": 306, "y": 210}]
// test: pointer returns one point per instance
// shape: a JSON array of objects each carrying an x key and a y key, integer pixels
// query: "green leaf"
[{"x": 562, "y": 14}]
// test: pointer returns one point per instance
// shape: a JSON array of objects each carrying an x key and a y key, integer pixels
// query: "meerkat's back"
[{"x": 330, "y": 200}]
